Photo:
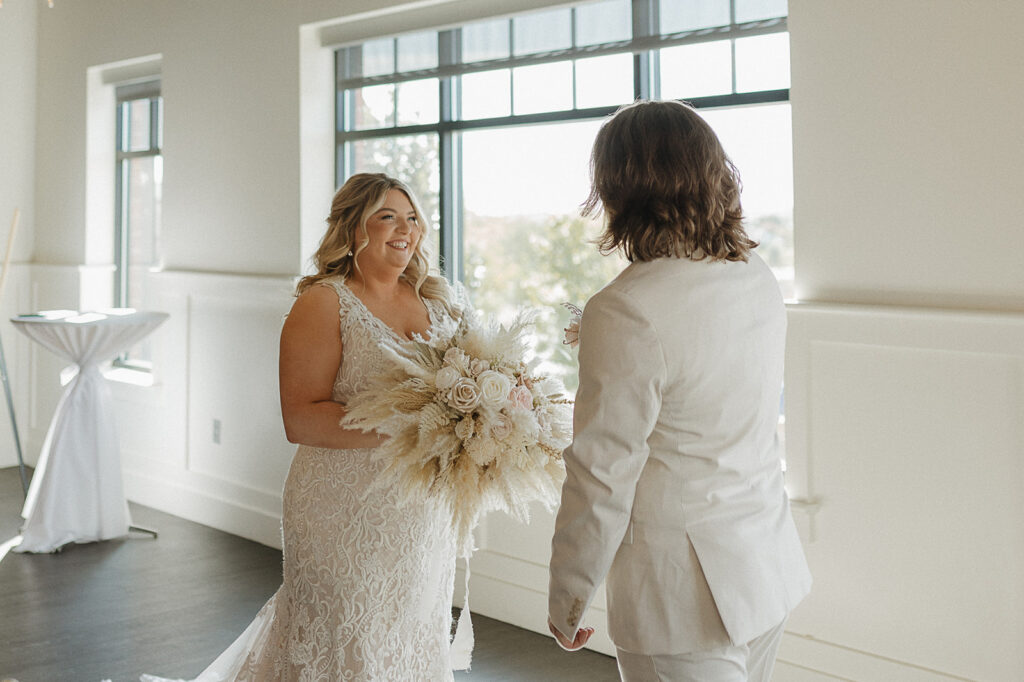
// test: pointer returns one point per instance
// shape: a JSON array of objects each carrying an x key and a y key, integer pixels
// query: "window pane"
[
  {"x": 542, "y": 31},
  {"x": 762, "y": 62},
  {"x": 487, "y": 94},
  {"x": 759, "y": 140},
  {"x": 544, "y": 87},
  {"x": 138, "y": 125},
  {"x": 412, "y": 159},
  {"x": 140, "y": 233},
  {"x": 417, "y": 51},
  {"x": 697, "y": 70},
  {"x": 604, "y": 22},
  {"x": 485, "y": 40},
  {"x": 755, "y": 10},
  {"x": 418, "y": 102},
  {"x": 143, "y": 222},
  {"x": 137, "y": 233},
  {"x": 378, "y": 57},
  {"x": 604, "y": 81},
  {"x": 676, "y": 16},
  {"x": 373, "y": 107},
  {"x": 524, "y": 241}
]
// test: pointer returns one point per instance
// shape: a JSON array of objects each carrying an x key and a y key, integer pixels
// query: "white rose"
[
  {"x": 521, "y": 398},
  {"x": 446, "y": 377},
  {"x": 478, "y": 366},
  {"x": 465, "y": 395},
  {"x": 494, "y": 388}
]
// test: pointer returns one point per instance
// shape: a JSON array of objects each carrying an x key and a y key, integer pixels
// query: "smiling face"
[{"x": 394, "y": 232}]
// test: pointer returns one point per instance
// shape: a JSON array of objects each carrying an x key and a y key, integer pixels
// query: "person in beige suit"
[{"x": 674, "y": 489}]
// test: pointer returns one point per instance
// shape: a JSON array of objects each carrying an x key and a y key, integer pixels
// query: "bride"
[{"x": 367, "y": 589}]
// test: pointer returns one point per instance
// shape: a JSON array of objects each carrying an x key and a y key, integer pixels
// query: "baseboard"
[
  {"x": 806, "y": 659},
  {"x": 180, "y": 500},
  {"x": 510, "y": 590}
]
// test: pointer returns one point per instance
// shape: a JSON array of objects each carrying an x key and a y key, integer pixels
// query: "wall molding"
[
  {"x": 903, "y": 428},
  {"x": 208, "y": 508},
  {"x": 836, "y": 662}
]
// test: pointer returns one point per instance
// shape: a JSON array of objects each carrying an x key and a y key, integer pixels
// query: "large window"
[
  {"x": 139, "y": 174},
  {"x": 492, "y": 122}
]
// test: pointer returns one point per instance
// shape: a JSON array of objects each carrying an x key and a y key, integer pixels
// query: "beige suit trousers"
[{"x": 751, "y": 662}]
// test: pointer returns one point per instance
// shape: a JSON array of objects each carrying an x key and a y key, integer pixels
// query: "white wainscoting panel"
[
  {"x": 215, "y": 358},
  {"x": 905, "y": 430},
  {"x": 232, "y": 343}
]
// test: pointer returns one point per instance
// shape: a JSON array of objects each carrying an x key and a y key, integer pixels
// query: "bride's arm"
[{"x": 310, "y": 357}]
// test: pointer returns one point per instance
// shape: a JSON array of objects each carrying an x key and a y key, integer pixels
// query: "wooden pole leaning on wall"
[{"x": 3, "y": 360}]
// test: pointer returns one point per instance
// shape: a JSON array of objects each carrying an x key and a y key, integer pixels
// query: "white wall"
[
  {"x": 17, "y": 186},
  {"x": 904, "y": 425},
  {"x": 17, "y": 111},
  {"x": 909, "y": 152},
  {"x": 904, "y": 414}
]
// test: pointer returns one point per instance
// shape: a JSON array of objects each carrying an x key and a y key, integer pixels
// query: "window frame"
[
  {"x": 644, "y": 45},
  {"x": 125, "y": 94}
]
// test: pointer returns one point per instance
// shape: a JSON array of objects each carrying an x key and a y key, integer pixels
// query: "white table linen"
[{"x": 77, "y": 493}]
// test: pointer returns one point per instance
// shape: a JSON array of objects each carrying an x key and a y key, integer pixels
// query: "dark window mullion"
[
  {"x": 122, "y": 126},
  {"x": 449, "y": 207},
  {"x": 342, "y": 68},
  {"x": 394, "y": 96},
  {"x": 732, "y": 42},
  {"x": 511, "y": 71},
  {"x": 645, "y": 24},
  {"x": 572, "y": 38},
  {"x": 121, "y": 229},
  {"x": 154, "y": 124}
]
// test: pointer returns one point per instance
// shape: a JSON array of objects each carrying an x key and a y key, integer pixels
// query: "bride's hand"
[{"x": 582, "y": 635}]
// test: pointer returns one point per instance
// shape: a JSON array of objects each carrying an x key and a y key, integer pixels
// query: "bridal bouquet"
[{"x": 469, "y": 423}]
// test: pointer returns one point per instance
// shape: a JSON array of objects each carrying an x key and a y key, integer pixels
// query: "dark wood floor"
[{"x": 169, "y": 606}]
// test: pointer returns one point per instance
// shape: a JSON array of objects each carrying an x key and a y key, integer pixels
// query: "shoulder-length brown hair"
[
  {"x": 666, "y": 186},
  {"x": 359, "y": 198}
]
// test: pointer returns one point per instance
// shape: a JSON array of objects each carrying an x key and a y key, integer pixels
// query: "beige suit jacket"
[{"x": 674, "y": 488}]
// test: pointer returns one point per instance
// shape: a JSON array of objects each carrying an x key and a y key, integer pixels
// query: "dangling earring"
[{"x": 350, "y": 253}]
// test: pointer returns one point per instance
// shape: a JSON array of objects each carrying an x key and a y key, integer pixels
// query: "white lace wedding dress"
[{"x": 367, "y": 588}]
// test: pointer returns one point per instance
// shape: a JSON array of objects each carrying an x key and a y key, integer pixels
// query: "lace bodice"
[{"x": 363, "y": 334}]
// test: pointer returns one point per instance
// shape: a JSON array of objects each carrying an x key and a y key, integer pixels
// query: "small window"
[{"x": 139, "y": 193}]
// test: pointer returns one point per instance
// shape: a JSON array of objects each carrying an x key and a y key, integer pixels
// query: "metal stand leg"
[
  {"x": 14, "y": 422},
  {"x": 141, "y": 529}
]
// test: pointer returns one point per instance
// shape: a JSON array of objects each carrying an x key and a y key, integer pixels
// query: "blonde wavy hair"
[
  {"x": 359, "y": 198},
  {"x": 666, "y": 186}
]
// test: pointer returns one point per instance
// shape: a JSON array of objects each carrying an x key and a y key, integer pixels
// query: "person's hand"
[{"x": 582, "y": 635}]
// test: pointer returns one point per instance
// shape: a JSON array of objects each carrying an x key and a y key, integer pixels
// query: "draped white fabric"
[{"x": 77, "y": 493}]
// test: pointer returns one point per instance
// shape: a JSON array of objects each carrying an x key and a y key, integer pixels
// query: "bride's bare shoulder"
[{"x": 316, "y": 307}]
